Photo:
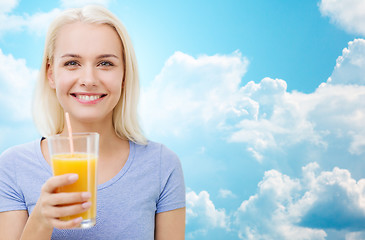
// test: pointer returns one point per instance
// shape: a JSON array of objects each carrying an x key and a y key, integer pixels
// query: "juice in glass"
[{"x": 84, "y": 165}]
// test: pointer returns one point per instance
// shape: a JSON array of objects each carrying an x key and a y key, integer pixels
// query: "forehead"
[{"x": 87, "y": 39}]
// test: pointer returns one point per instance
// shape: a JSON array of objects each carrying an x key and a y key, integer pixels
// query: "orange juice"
[{"x": 84, "y": 165}]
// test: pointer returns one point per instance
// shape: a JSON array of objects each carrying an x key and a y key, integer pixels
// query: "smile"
[{"x": 88, "y": 98}]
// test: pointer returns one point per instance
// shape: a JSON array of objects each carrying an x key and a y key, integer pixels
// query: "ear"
[{"x": 50, "y": 76}]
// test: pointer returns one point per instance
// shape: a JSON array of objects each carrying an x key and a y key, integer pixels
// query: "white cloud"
[
  {"x": 16, "y": 84},
  {"x": 36, "y": 23},
  {"x": 201, "y": 205},
  {"x": 11, "y": 23},
  {"x": 339, "y": 112},
  {"x": 334, "y": 200},
  {"x": 39, "y": 22},
  {"x": 80, "y": 3},
  {"x": 355, "y": 236},
  {"x": 331, "y": 113},
  {"x": 350, "y": 67},
  {"x": 280, "y": 119},
  {"x": 288, "y": 208},
  {"x": 334, "y": 111},
  {"x": 256, "y": 155},
  {"x": 193, "y": 92},
  {"x": 207, "y": 92},
  {"x": 201, "y": 213},
  {"x": 267, "y": 215},
  {"x": 225, "y": 193},
  {"x": 17, "y": 81},
  {"x": 348, "y": 14},
  {"x": 7, "y": 5}
]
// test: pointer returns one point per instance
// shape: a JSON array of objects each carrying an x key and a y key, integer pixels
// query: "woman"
[{"x": 89, "y": 70}]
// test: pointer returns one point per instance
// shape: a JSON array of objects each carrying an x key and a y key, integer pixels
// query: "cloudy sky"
[{"x": 263, "y": 101}]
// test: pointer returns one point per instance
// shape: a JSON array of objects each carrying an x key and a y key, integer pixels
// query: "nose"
[{"x": 88, "y": 77}]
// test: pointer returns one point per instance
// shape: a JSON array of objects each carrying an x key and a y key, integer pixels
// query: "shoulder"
[
  {"x": 159, "y": 155},
  {"x": 12, "y": 154},
  {"x": 21, "y": 148},
  {"x": 158, "y": 150}
]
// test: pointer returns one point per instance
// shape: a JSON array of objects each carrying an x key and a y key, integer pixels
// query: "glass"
[{"x": 82, "y": 161}]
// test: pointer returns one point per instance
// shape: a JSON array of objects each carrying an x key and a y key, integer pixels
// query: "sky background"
[{"x": 263, "y": 101}]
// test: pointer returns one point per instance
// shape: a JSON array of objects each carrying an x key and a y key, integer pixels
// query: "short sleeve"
[
  {"x": 172, "y": 188},
  {"x": 11, "y": 197}
]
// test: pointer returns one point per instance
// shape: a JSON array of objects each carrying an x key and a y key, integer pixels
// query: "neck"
[{"x": 107, "y": 135}]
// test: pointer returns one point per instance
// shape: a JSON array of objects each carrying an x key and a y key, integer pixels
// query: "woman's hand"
[
  {"x": 45, "y": 216},
  {"x": 52, "y": 205}
]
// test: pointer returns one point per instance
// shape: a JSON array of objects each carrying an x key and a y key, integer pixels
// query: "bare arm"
[
  {"x": 170, "y": 225},
  {"x": 12, "y": 224}
]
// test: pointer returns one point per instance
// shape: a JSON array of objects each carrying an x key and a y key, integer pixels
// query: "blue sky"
[{"x": 264, "y": 102}]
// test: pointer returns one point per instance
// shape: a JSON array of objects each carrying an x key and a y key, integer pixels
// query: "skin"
[{"x": 93, "y": 66}]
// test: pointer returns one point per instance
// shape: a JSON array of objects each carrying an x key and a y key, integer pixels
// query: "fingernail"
[
  {"x": 86, "y": 205},
  {"x": 78, "y": 220},
  {"x": 86, "y": 195},
  {"x": 73, "y": 177}
]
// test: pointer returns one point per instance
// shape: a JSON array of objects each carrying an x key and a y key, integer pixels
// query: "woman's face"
[{"x": 87, "y": 71}]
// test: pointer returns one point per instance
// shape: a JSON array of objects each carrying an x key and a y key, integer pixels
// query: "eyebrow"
[
  {"x": 71, "y": 55},
  {"x": 100, "y": 56},
  {"x": 107, "y": 56}
]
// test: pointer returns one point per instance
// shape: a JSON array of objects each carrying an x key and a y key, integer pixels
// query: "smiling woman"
[{"x": 89, "y": 70}]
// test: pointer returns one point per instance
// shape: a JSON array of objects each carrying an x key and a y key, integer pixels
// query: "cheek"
[
  {"x": 116, "y": 91},
  {"x": 64, "y": 80},
  {"x": 114, "y": 83},
  {"x": 63, "y": 83}
]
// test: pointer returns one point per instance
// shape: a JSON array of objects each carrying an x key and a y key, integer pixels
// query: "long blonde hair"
[{"x": 47, "y": 111}]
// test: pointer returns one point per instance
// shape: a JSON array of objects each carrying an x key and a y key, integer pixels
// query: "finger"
[
  {"x": 63, "y": 198},
  {"x": 67, "y": 224},
  {"x": 70, "y": 210},
  {"x": 58, "y": 181}
]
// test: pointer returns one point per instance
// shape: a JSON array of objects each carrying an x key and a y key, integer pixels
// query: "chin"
[{"x": 90, "y": 118}]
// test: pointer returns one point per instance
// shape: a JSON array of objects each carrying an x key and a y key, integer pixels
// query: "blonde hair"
[{"x": 47, "y": 112}]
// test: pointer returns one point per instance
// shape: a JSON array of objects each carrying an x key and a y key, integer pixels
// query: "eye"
[
  {"x": 71, "y": 63},
  {"x": 106, "y": 64}
]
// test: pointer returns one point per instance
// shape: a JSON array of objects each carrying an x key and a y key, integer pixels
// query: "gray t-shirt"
[{"x": 150, "y": 182}]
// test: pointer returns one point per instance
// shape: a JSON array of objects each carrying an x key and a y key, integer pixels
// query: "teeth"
[{"x": 88, "y": 98}]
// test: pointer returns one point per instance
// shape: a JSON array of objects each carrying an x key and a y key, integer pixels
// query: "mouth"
[{"x": 89, "y": 98}]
